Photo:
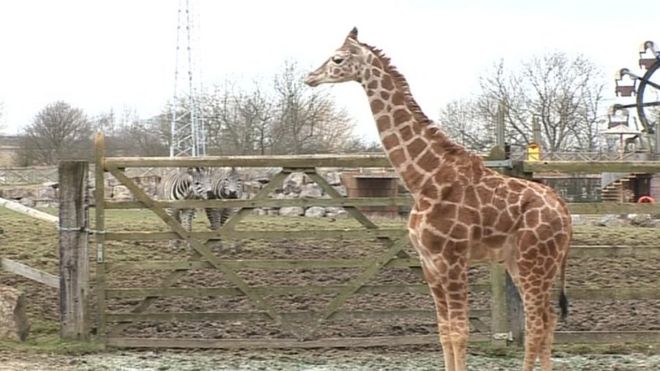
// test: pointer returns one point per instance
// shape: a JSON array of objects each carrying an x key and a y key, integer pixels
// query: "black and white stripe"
[
  {"x": 226, "y": 186},
  {"x": 189, "y": 184}
]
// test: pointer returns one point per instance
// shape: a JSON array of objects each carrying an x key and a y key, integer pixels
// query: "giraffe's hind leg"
[{"x": 540, "y": 319}]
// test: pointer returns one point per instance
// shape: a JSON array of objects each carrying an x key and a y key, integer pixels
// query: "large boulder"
[
  {"x": 14, "y": 324},
  {"x": 311, "y": 190},
  {"x": 611, "y": 220},
  {"x": 315, "y": 212},
  {"x": 292, "y": 211},
  {"x": 121, "y": 193}
]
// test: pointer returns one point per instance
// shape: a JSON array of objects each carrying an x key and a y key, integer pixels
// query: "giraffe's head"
[{"x": 345, "y": 64}]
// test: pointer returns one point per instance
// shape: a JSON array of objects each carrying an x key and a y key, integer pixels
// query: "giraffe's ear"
[{"x": 353, "y": 34}]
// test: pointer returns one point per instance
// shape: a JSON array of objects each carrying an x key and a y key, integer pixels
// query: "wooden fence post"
[
  {"x": 507, "y": 315},
  {"x": 499, "y": 326},
  {"x": 74, "y": 261},
  {"x": 515, "y": 311}
]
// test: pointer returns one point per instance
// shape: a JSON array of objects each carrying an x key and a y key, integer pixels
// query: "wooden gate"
[{"x": 296, "y": 328}]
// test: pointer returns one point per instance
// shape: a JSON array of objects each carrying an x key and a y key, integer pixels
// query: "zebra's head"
[
  {"x": 201, "y": 183},
  {"x": 230, "y": 186}
]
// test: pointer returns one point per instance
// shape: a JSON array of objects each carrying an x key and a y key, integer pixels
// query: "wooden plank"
[
  {"x": 498, "y": 302},
  {"x": 427, "y": 315},
  {"x": 575, "y": 207},
  {"x": 347, "y": 342},
  {"x": 265, "y": 264},
  {"x": 270, "y": 202},
  {"x": 599, "y": 251},
  {"x": 99, "y": 237},
  {"x": 285, "y": 161},
  {"x": 592, "y": 167},
  {"x": 139, "y": 292},
  {"x": 379, "y": 160},
  {"x": 259, "y": 235},
  {"x": 614, "y": 293},
  {"x": 613, "y": 208},
  {"x": 607, "y": 337},
  {"x": 74, "y": 260},
  {"x": 33, "y": 213},
  {"x": 28, "y": 272}
]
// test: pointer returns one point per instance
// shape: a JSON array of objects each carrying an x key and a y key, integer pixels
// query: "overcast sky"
[{"x": 99, "y": 55}]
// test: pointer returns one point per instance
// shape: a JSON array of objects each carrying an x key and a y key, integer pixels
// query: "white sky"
[{"x": 103, "y": 54}]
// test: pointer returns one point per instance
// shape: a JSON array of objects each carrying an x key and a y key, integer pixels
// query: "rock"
[
  {"x": 273, "y": 212},
  {"x": 20, "y": 192},
  {"x": 26, "y": 202},
  {"x": 641, "y": 220},
  {"x": 610, "y": 220},
  {"x": 14, "y": 324},
  {"x": 577, "y": 219},
  {"x": 311, "y": 190},
  {"x": 333, "y": 178},
  {"x": 47, "y": 191},
  {"x": 315, "y": 212},
  {"x": 260, "y": 212},
  {"x": 293, "y": 183},
  {"x": 335, "y": 212},
  {"x": 341, "y": 189},
  {"x": 121, "y": 193},
  {"x": 292, "y": 211}
]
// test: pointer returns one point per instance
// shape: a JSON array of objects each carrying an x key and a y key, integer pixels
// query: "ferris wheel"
[{"x": 645, "y": 86}]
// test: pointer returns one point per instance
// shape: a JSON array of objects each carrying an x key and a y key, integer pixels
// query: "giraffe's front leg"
[
  {"x": 444, "y": 330},
  {"x": 457, "y": 302}
]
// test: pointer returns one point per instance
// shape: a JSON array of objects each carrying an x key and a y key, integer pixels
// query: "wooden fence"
[
  {"x": 74, "y": 279},
  {"x": 393, "y": 254}
]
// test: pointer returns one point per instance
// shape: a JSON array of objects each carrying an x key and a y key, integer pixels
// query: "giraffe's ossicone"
[{"x": 462, "y": 210}]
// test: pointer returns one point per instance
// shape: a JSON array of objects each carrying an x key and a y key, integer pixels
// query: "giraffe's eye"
[{"x": 337, "y": 60}]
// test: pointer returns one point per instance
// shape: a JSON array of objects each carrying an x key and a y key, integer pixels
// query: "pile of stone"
[
  {"x": 299, "y": 185},
  {"x": 40, "y": 195}
]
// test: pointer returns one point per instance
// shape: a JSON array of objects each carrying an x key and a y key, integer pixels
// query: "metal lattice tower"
[{"x": 187, "y": 125}]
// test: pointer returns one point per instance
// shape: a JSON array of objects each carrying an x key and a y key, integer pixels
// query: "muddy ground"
[{"x": 35, "y": 243}]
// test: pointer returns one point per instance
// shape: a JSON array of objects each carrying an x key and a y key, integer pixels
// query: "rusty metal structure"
[{"x": 645, "y": 87}]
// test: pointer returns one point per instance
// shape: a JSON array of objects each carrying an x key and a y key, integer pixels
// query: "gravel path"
[{"x": 331, "y": 360}]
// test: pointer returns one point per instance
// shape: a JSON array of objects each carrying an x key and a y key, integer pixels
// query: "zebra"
[
  {"x": 225, "y": 187},
  {"x": 193, "y": 183}
]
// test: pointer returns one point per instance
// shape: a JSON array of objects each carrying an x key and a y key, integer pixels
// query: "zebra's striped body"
[
  {"x": 191, "y": 184},
  {"x": 227, "y": 186}
]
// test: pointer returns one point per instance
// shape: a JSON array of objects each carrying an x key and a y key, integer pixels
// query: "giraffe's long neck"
[{"x": 415, "y": 147}]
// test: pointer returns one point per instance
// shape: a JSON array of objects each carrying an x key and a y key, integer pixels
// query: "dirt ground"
[
  {"x": 35, "y": 243},
  {"x": 329, "y": 360}
]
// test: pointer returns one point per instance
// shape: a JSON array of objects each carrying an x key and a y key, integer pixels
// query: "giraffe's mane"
[{"x": 419, "y": 115}]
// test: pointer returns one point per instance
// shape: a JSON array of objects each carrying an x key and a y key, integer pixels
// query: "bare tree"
[
  {"x": 462, "y": 120},
  {"x": 238, "y": 121},
  {"x": 57, "y": 132},
  {"x": 564, "y": 94},
  {"x": 307, "y": 121},
  {"x": 290, "y": 118}
]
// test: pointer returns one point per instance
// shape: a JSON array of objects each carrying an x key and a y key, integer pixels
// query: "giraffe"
[{"x": 462, "y": 210}]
